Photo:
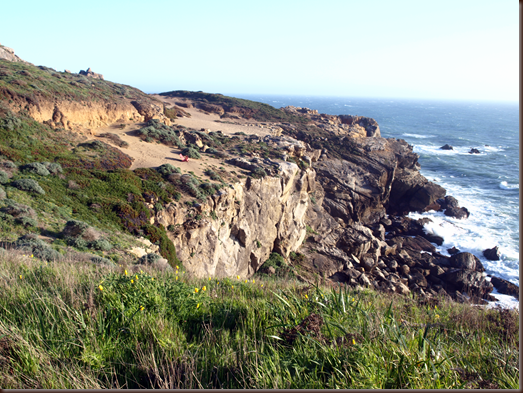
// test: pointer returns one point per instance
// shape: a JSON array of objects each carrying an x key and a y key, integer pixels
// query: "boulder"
[
  {"x": 453, "y": 250},
  {"x": 446, "y": 147},
  {"x": 467, "y": 261},
  {"x": 472, "y": 282},
  {"x": 458, "y": 212},
  {"x": 90, "y": 74},
  {"x": 505, "y": 287},
  {"x": 474, "y": 151},
  {"x": 492, "y": 254},
  {"x": 426, "y": 196}
]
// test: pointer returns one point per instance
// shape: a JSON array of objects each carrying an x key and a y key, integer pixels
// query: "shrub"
[
  {"x": 259, "y": 173},
  {"x": 15, "y": 209},
  {"x": 100, "y": 244},
  {"x": 167, "y": 169},
  {"x": 4, "y": 178},
  {"x": 53, "y": 167},
  {"x": 167, "y": 249},
  {"x": 36, "y": 168},
  {"x": 76, "y": 242},
  {"x": 148, "y": 259},
  {"x": 102, "y": 261},
  {"x": 277, "y": 262},
  {"x": 27, "y": 221},
  {"x": 74, "y": 229},
  {"x": 2, "y": 193},
  {"x": 38, "y": 248},
  {"x": 29, "y": 185},
  {"x": 191, "y": 152}
]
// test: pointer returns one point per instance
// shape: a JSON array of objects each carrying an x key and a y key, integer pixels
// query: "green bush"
[
  {"x": 77, "y": 242},
  {"x": 191, "y": 152},
  {"x": 29, "y": 185},
  {"x": 167, "y": 169},
  {"x": 38, "y": 248},
  {"x": 148, "y": 259},
  {"x": 158, "y": 235},
  {"x": 100, "y": 244},
  {"x": 2, "y": 193},
  {"x": 4, "y": 178},
  {"x": 53, "y": 167},
  {"x": 102, "y": 261},
  {"x": 36, "y": 168},
  {"x": 277, "y": 262},
  {"x": 27, "y": 221}
]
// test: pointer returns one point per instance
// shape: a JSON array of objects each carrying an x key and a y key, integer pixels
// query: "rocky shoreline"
[{"x": 345, "y": 220}]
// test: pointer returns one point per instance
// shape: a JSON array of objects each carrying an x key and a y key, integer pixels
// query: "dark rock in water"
[
  {"x": 467, "y": 261},
  {"x": 446, "y": 147},
  {"x": 434, "y": 238},
  {"x": 505, "y": 287},
  {"x": 474, "y": 151},
  {"x": 492, "y": 254},
  {"x": 453, "y": 250},
  {"x": 458, "y": 212},
  {"x": 426, "y": 196}
]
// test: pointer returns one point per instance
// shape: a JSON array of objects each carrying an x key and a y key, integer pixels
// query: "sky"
[{"x": 457, "y": 49}]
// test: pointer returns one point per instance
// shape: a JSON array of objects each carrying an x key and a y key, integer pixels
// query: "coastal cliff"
[{"x": 327, "y": 193}]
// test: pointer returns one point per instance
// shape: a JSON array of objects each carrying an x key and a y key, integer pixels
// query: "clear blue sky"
[{"x": 446, "y": 49}]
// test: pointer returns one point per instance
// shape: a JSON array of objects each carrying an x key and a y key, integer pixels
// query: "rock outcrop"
[
  {"x": 251, "y": 220},
  {"x": 9, "y": 55},
  {"x": 90, "y": 74}
]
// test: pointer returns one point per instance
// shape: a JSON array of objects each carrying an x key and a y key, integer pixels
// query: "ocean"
[{"x": 487, "y": 184}]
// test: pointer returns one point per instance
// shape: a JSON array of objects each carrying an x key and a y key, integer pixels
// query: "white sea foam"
[
  {"x": 505, "y": 186},
  {"x": 418, "y": 135}
]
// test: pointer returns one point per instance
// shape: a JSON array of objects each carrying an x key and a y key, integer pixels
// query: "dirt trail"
[{"x": 149, "y": 155}]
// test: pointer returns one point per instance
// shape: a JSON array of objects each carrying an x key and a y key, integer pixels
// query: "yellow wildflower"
[
  {"x": 198, "y": 305},
  {"x": 100, "y": 287},
  {"x": 132, "y": 281},
  {"x": 152, "y": 278},
  {"x": 142, "y": 308},
  {"x": 306, "y": 297},
  {"x": 176, "y": 278},
  {"x": 177, "y": 268},
  {"x": 137, "y": 277},
  {"x": 204, "y": 288},
  {"x": 125, "y": 272},
  {"x": 20, "y": 276},
  {"x": 32, "y": 256},
  {"x": 246, "y": 281},
  {"x": 262, "y": 285},
  {"x": 253, "y": 280},
  {"x": 232, "y": 286},
  {"x": 209, "y": 278},
  {"x": 436, "y": 316},
  {"x": 238, "y": 277},
  {"x": 195, "y": 290},
  {"x": 353, "y": 342}
]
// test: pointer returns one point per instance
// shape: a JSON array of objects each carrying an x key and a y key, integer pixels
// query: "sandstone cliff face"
[
  {"x": 251, "y": 220},
  {"x": 9, "y": 55}
]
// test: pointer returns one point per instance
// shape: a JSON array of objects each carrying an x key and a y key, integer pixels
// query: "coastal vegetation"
[
  {"x": 78, "y": 310},
  {"x": 78, "y": 325}
]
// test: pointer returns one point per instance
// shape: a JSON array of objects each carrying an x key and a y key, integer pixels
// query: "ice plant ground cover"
[{"x": 77, "y": 325}]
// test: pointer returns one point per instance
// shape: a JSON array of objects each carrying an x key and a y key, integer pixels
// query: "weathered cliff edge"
[
  {"x": 344, "y": 216},
  {"x": 74, "y": 101}
]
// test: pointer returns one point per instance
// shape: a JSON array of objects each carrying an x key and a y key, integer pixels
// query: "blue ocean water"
[{"x": 487, "y": 183}]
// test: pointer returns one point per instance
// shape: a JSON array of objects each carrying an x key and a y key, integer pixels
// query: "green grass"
[{"x": 81, "y": 325}]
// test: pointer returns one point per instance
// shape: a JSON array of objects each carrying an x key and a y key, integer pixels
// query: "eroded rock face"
[
  {"x": 253, "y": 219},
  {"x": 9, "y": 55}
]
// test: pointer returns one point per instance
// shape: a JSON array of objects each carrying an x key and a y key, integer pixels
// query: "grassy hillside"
[
  {"x": 73, "y": 325},
  {"x": 31, "y": 83},
  {"x": 256, "y": 110}
]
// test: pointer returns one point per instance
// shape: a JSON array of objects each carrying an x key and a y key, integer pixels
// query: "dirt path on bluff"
[{"x": 152, "y": 155}]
